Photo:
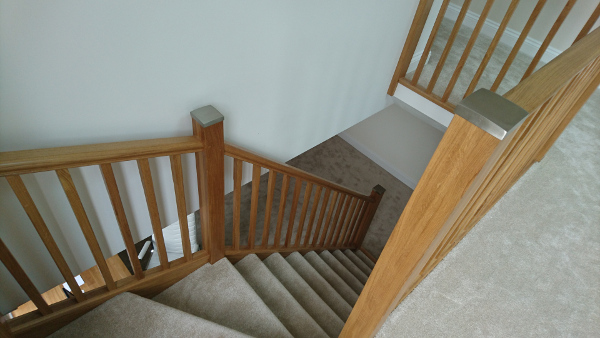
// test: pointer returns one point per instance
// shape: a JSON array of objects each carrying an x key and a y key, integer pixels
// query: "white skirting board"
[{"x": 380, "y": 161}]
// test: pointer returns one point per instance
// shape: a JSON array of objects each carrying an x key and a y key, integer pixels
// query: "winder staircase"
[{"x": 295, "y": 296}]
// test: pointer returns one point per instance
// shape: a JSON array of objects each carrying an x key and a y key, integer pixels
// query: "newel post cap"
[
  {"x": 207, "y": 116},
  {"x": 491, "y": 112}
]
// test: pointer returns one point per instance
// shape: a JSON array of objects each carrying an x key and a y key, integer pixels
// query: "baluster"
[
  {"x": 410, "y": 45},
  {"x": 467, "y": 51},
  {"x": 313, "y": 214},
  {"x": 307, "y": 192},
  {"x": 430, "y": 40},
  {"x": 237, "y": 199},
  {"x": 177, "y": 174},
  {"x": 513, "y": 53},
  {"x": 327, "y": 225},
  {"x": 285, "y": 184},
  {"x": 492, "y": 47},
  {"x": 21, "y": 277},
  {"x": 348, "y": 216},
  {"x": 288, "y": 235},
  {"x": 86, "y": 228},
  {"x": 268, "y": 208},
  {"x": 18, "y": 187},
  {"x": 446, "y": 52},
  {"x": 559, "y": 21},
  {"x": 115, "y": 200},
  {"x": 148, "y": 185},
  {"x": 336, "y": 219},
  {"x": 321, "y": 216},
  {"x": 353, "y": 223},
  {"x": 589, "y": 24},
  {"x": 254, "y": 205}
]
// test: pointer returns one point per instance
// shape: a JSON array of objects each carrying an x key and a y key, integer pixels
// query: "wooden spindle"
[
  {"x": 288, "y": 235},
  {"x": 338, "y": 220},
  {"x": 307, "y": 192},
  {"x": 356, "y": 226},
  {"x": 490, "y": 51},
  {"x": 327, "y": 225},
  {"x": 237, "y": 200},
  {"x": 410, "y": 45},
  {"x": 446, "y": 52},
  {"x": 207, "y": 124},
  {"x": 559, "y": 21},
  {"x": 117, "y": 204},
  {"x": 468, "y": 48},
  {"x": 254, "y": 205},
  {"x": 315, "y": 238},
  {"x": 268, "y": 208},
  {"x": 148, "y": 185},
  {"x": 18, "y": 187},
  {"x": 21, "y": 277},
  {"x": 313, "y": 214},
  {"x": 430, "y": 40},
  {"x": 285, "y": 185},
  {"x": 353, "y": 223},
  {"x": 86, "y": 228},
  {"x": 177, "y": 173},
  {"x": 513, "y": 53},
  {"x": 589, "y": 24},
  {"x": 348, "y": 216}
]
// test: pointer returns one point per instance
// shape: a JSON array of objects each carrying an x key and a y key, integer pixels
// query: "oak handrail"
[
  {"x": 37, "y": 160},
  {"x": 248, "y": 156}
]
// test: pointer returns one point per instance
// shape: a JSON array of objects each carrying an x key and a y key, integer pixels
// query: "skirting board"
[
  {"x": 414, "y": 62},
  {"x": 509, "y": 37},
  {"x": 380, "y": 161}
]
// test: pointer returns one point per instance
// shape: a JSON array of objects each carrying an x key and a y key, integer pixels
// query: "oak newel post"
[
  {"x": 207, "y": 123},
  {"x": 376, "y": 195}
]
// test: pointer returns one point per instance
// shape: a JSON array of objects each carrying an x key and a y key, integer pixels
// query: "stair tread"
[
  {"x": 305, "y": 295},
  {"x": 358, "y": 262},
  {"x": 365, "y": 259},
  {"x": 129, "y": 315},
  {"x": 320, "y": 285},
  {"x": 291, "y": 314},
  {"x": 220, "y": 294},
  {"x": 341, "y": 270},
  {"x": 332, "y": 277},
  {"x": 348, "y": 264}
]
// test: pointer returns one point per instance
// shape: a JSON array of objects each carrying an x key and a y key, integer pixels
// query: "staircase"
[{"x": 295, "y": 296}]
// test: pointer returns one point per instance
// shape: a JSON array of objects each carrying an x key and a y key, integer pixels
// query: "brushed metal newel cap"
[
  {"x": 491, "y": 112},
  {"x": 207, "y": 116}
]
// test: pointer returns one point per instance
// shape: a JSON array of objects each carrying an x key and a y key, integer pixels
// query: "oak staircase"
[
  {"x": 296, "y": 296},
  {"x": 491, "y": 142}
]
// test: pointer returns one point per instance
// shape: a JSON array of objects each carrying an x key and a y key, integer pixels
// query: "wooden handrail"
[
  {"x": 37, "y": 160},
  {"x": 248, "y": 156}
]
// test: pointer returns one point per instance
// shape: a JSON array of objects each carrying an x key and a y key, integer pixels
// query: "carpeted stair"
[{"x": 295, "y": 296}]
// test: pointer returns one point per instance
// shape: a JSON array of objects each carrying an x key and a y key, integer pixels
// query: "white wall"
[
  {"x": 286, "y": 74},
  {"x": 399, "y": 138}
]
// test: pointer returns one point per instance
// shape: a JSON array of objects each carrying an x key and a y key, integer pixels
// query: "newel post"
[
  {"x": 207, "y": 123},
  {"x": 376, "y": 196},
  {"x": 483, "y": 126}
]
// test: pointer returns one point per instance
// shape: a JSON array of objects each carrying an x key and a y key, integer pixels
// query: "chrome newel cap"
[
  {"x": 207, "y": 116},
  {"x": 491, "y": 112}
]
